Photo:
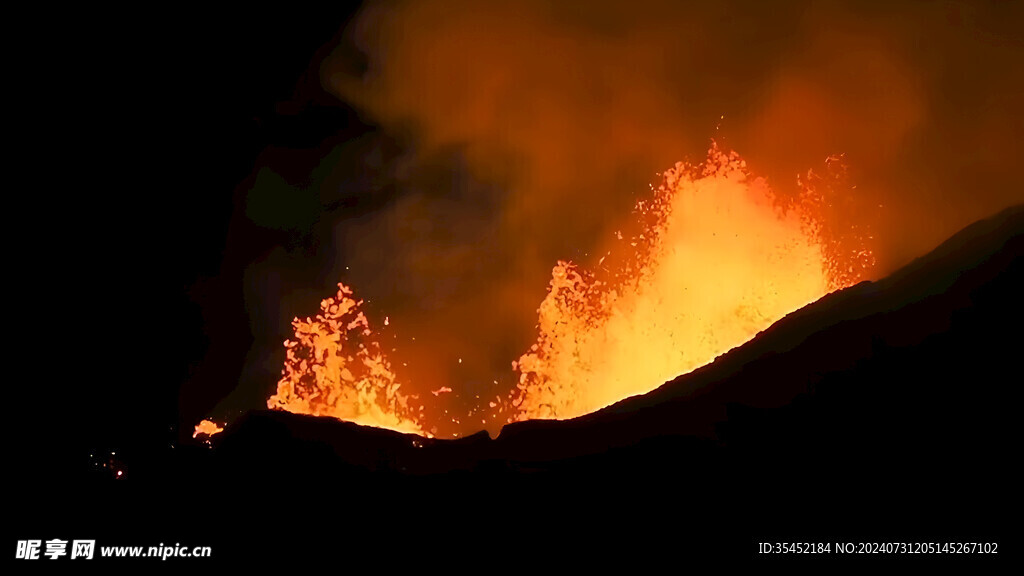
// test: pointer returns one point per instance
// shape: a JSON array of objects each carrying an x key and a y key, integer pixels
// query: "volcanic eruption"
[
  {"x": 717, "y": 257},
  {"x": 607, "y": 276},
  {"x": 488, "y": 152}
]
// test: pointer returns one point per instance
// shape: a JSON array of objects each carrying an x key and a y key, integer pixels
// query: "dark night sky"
[
  {"x": 145, "y": 132},
  {"x": 206, "y": 176}
]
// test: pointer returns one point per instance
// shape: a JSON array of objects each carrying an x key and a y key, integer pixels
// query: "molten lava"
[
  {"x": 207, "y": 428},
  {"x": 335, "y": 368},
  {"x": 718, "y": 258},
  {"x": 721, "y": 259}
]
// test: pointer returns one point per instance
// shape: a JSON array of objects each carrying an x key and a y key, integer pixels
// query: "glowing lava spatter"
[
  {"x": 825, "y": 200},
  {"x": 719, "y": 258},
  {"x": 334, "y": 367},
  {"x": 207, "y": 428}
]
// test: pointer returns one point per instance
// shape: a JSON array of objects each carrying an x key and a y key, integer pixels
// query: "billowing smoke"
[{"x": 572, "y": 106}]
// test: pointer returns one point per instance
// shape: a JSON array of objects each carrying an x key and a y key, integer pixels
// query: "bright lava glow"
[
  {"x": 207, "y": 428},
  {"x": 335, "y": 368},
  {"x": 717, "y": 259},
  {"x": 720, "y": 260}
]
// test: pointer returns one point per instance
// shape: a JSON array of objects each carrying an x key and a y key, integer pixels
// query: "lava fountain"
[
  {"x": 335, "y": 367},
  {"x": 721, "y": 259},
  {"x": 717, "y": 258}
]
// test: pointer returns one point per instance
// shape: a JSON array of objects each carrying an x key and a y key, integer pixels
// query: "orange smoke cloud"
[{"x": 579, "y": 103}]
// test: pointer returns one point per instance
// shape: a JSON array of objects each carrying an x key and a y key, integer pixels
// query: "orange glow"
[
  {"x": 335, "y": 368},
  {"x": 717, "y": 258},
  {"x": 721, "y": 259},
  {"x": 207, "y": 428}
]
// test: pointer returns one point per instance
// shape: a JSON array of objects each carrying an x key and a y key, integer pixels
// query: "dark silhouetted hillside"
[{"x": 884, "y": 411}]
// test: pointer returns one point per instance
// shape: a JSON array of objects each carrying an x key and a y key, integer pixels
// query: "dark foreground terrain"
[{"x": 885, "y": 412}]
